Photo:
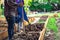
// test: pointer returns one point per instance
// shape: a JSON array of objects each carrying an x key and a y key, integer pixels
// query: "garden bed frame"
[{"x": 42, "y": 33}]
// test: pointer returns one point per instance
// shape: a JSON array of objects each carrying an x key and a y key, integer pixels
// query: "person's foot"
[{"x": 21, "y": 30}]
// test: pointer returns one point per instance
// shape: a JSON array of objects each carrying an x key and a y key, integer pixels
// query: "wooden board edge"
[{"x": 42, "y": 33}]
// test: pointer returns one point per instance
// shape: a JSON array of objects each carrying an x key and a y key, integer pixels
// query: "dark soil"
[{"x": 34, "y": 27}]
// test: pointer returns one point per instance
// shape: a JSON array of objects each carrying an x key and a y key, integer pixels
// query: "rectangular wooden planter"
[{"x": 5, "y": 33}]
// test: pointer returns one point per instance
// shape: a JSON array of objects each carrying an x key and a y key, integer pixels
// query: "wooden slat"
[
  {"x": 43, "y": 31},
  {"x": 4, "y": 33},
  {"x": 0, "y": 36}
]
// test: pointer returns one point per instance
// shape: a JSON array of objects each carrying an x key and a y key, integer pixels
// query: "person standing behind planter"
[{"x": 10, "y": 10}]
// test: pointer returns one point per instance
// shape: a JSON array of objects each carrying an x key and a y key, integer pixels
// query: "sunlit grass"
[{"x": 52, "y": 25}]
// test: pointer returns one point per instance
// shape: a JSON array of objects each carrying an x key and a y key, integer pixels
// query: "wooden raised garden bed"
[{"x": 34, "y": 29}]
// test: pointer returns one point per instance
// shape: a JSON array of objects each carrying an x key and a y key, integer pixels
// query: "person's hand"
[
  {"x": 29, "y": 23},
  {"x": 21, "y": 4}
]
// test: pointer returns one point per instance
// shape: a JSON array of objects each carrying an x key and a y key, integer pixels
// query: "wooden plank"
[
  {"x": 0, "y": 36},
  {"x": 3, "y": 33},
  {"x": 43, "y": 31},
  {"x": 42, "y": 34}
]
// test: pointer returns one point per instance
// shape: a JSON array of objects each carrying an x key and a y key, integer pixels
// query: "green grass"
[{"x": 52, "y": 25}]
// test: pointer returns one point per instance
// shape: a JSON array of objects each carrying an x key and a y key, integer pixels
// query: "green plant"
[{"x": 27, "y": 4}]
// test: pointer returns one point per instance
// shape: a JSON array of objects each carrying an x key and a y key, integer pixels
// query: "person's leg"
[
  {"x": 10, "y": 27},
  {"x": 20, "y": 26},
  {"x": 19, "y": 9}
]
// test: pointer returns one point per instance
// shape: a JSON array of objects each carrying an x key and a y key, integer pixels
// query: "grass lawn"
[{"x": 52, "y": 25}]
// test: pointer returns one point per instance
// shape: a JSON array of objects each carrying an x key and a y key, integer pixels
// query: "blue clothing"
[
  {"x": 18, "y": 1},
  {"x": 21, "y": 10},
  {"x": 22, "y": 13}
]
